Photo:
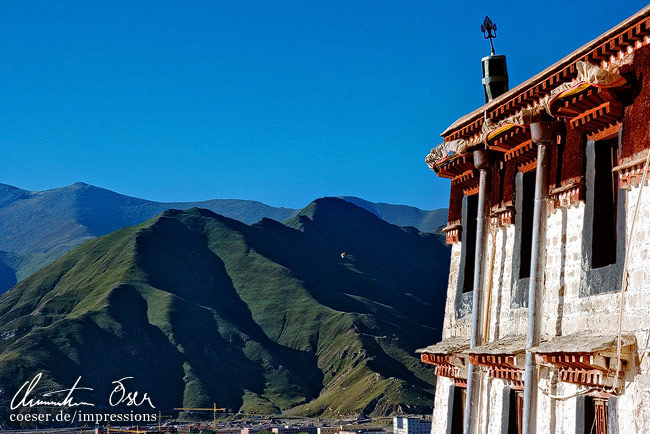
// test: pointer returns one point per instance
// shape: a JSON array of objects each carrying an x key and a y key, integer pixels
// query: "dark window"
[
  {"x": 515, "y": 412},
  {"x": 458, "y": 410},
  {"x": 469, "y": 242},
  {"x": 527, "y": 212},
  {"x": 595, "y": 415},
  {"x": 603, "y": 240}
]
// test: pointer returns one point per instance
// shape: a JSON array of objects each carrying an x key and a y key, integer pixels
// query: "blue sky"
[{"x": 281, "y": 102}]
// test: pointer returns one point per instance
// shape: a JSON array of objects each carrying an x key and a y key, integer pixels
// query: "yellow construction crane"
[
  {"x": 135, "y": 431},
  {"x": 213, "y": 410},
  {"x": 160, "y": 418}
]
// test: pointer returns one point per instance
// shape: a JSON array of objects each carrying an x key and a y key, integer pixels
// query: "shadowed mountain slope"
[{"x": 200, "y": 308}]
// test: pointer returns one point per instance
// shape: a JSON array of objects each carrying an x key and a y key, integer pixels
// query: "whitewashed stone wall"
[
  {"x": 440, "y": 419},
  {"x": 564, "y": 312},
  {"x": 491, "y": 408},
  {"x": 453, "y": 326},
  {"x": 503, "y": 319}
]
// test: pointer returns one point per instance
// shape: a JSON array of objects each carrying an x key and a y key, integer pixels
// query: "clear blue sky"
[{"x": 281, "y": 102}]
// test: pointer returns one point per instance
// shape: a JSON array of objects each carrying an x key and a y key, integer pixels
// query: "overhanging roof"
[
  {"x": 506, "y": 345},
  {"x": 448, "y": 346},
  {"x": 583, "y": 343},
  {"x": 538, "y": 85}
]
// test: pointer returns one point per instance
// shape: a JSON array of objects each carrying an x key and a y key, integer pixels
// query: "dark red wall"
[
  {"x": 455, "y": 204},
  {"x": 636, "y": 125},
  {"x": 568, "y": 159}
]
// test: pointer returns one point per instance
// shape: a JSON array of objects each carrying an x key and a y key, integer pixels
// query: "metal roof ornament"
[
  {"x": 495, "y": 71},
  {"x": 488, "y": 28}
]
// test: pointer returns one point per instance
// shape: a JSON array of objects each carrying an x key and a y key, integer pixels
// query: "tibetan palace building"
[{"x": 547, "y": 321}]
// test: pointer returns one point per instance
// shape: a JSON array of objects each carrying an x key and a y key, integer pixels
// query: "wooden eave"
[
  {"x": 449, "y": 357},
  {"x": 466, "y": 177},
  {"x": 448, "y": 365},
  {"x": 504, "y": 359},
  {"x": 584, "y": 101},
  {"x": 452, "y": 233},
  {"x": 457, "y": 167},
  {"x": 510, "y": 139},
  {"x": 630, "y": 171},
  {"x": 587, "y": 360},
  {"x": 628, "y": 35}
]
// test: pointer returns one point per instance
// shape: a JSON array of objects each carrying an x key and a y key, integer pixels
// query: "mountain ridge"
[
  {"x": 289, "y": 323},
  {"x": 39, "y": 226}
]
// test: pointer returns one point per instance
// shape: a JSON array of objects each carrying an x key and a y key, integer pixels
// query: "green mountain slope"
[
  {"x": 40, "y": 226},
  {"x": 200, "y": 308}
]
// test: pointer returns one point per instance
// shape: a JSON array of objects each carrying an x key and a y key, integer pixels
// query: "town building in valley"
[
  {"x": 411, "y": 425},
  {"x": 547, "y": 322},
  {"x": 362, "y": 430},
  {"x": 295, "y": 429}
]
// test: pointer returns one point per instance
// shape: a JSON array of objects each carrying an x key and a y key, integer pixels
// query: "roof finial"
[{"x": 487, "y": 28}]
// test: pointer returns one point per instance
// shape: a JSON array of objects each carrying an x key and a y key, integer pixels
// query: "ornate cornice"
[{"x": 567, "y": 195}]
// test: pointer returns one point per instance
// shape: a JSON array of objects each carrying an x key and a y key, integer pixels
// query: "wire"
[
  {"x": 561, "y": 397},
  {"x": 625, "y": 276},
  {"x": 565, "y": 397}
]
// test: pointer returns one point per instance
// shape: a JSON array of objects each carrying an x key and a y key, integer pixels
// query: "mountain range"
[
  {"x": 319, "y": 315},
  {"x": 36, "y": 227}
]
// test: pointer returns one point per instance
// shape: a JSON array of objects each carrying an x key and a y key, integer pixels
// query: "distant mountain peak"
[
  {"x": 335, "y": 207},
  {"x": 41, "y": 225}
]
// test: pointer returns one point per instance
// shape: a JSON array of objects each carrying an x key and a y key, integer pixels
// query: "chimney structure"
[{"x": 495, "y": 70}]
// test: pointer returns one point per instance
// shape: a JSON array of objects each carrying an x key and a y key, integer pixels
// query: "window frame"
[
  {"x": 606, "y": 279},
  {"x": 597, "y": 182},
  {"x": 464, "y": 297},
  {"x": 456, "y": 409},
  {"x": 519, "y": 296}
]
